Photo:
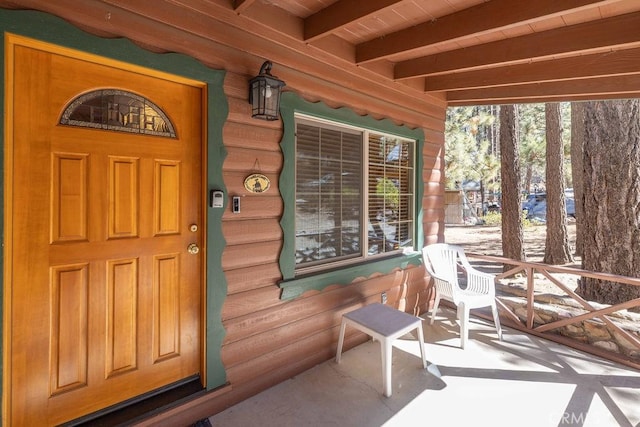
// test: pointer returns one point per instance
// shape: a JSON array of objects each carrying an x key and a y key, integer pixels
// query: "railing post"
[{"x": 530, "y": 289}]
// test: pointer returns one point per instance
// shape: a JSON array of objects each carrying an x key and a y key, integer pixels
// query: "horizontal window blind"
[{"x": 353, "y": 199}]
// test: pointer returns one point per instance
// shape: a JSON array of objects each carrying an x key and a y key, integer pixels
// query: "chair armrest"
[
  {"x": 447, "y": 289},
  {"x": 477, "y": 272},
  {"x": 439, "y": 277},
  {"x": 481, "y": 282}
]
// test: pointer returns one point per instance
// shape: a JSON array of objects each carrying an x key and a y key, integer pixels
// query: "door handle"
[{"x": 193, "y": 249}]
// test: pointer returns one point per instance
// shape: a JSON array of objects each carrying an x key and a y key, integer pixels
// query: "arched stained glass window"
[{"x": 117, "y": 110}]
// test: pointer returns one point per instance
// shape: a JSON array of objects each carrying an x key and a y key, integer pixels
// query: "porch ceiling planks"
[
  {"x": 397, "y": 51},
  {"x": 619, "y": 31},
  {"x": 610, "y": 63},
  {"x": 473, "y": 21}
]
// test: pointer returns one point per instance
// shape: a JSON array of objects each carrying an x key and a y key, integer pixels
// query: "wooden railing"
[{"x": 601, "y": 312}]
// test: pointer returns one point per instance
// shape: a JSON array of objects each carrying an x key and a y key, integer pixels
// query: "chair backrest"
[{"x": 441, "y": 259}]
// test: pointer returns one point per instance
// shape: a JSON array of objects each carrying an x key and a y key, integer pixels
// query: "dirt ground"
[{"x": 487, "y": 240}]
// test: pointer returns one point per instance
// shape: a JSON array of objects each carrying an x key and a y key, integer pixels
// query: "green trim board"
[
  {"x": 344, "y": 276},
  {"x": 50, "y": 29},
  {"x": 293, "y": 286}
]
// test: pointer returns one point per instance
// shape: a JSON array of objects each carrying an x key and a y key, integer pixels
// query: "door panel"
[{"x": 104, "y": 298}]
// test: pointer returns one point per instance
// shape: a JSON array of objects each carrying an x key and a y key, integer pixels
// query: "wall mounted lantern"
[{"x": 264, "y": 94}]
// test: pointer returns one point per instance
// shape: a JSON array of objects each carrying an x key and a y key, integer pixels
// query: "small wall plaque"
[{"x": 257, "y": 183}]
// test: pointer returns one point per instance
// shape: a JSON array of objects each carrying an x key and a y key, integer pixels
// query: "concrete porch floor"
[{"x": 520, "y": 381}]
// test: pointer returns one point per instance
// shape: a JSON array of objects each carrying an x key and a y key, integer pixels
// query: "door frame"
[{"x": 52, "y": 30}]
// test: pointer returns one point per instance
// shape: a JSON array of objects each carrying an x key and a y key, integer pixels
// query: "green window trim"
[
  {"x": 344, "y": 276},
  {"x": 291, "y": 285}
]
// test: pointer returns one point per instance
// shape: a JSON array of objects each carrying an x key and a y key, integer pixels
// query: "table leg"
[
  {"x": 386, "y": 346},
  {"x": 343, "y": 326}
]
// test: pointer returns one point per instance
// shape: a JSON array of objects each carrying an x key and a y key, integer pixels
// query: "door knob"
[{"x": 193, "y": 249}]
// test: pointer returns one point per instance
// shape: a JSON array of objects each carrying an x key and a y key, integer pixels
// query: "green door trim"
[{"x": 50, "y": 29}]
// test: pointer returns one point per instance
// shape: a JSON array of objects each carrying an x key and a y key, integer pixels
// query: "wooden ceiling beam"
[
  {"x": 597, "y": 88},
  {"x": 475, "y": 20},
  {"x": 339, "y": 14},
  {"x": 241, "y": 5},
  {"x": 625, "y": 61},
  {"x": 620, "y": 30}
]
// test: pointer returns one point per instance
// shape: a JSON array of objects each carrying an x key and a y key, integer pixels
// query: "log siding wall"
[{"x": 267, "y": 340}]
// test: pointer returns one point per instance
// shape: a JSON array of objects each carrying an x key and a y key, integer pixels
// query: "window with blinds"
[{"x": 354, "y": 193}]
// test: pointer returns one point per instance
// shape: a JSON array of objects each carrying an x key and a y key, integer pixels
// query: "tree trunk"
[
  {"x": 512, "y": 235},
  {"x": 556, "y": 249},
  {"x": 577, "y": 166},
  {"x": 611, "y": 229},
  {"x": 527, "y": 179},
  {"x": 483, "y": 211}
]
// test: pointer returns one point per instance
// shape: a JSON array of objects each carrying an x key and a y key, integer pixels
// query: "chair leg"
[
  {"x": 496, "y": 320},
  {"x": 463, "y": 313},
  {"x": 434, "y": 309},
  {"x": 421, "y": 342}
]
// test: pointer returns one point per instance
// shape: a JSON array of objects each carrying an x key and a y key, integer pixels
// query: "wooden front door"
[{"x": 103, "y": 284}]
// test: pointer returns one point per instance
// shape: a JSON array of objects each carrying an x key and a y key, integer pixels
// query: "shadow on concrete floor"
[{"x": 520, "y": 381}]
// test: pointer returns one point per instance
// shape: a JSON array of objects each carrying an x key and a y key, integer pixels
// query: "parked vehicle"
[{"x": 536, "y": 205}]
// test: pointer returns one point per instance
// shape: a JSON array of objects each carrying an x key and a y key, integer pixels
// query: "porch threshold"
[
  {"x": 187, "y": 411},
  {"x": 144, "y": 406}
]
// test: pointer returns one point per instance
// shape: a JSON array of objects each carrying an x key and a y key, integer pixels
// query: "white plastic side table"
[{"x": 385, "y": 324}]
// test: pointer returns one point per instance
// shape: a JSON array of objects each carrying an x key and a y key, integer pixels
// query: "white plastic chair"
[{"x": 442, "y": 262}]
